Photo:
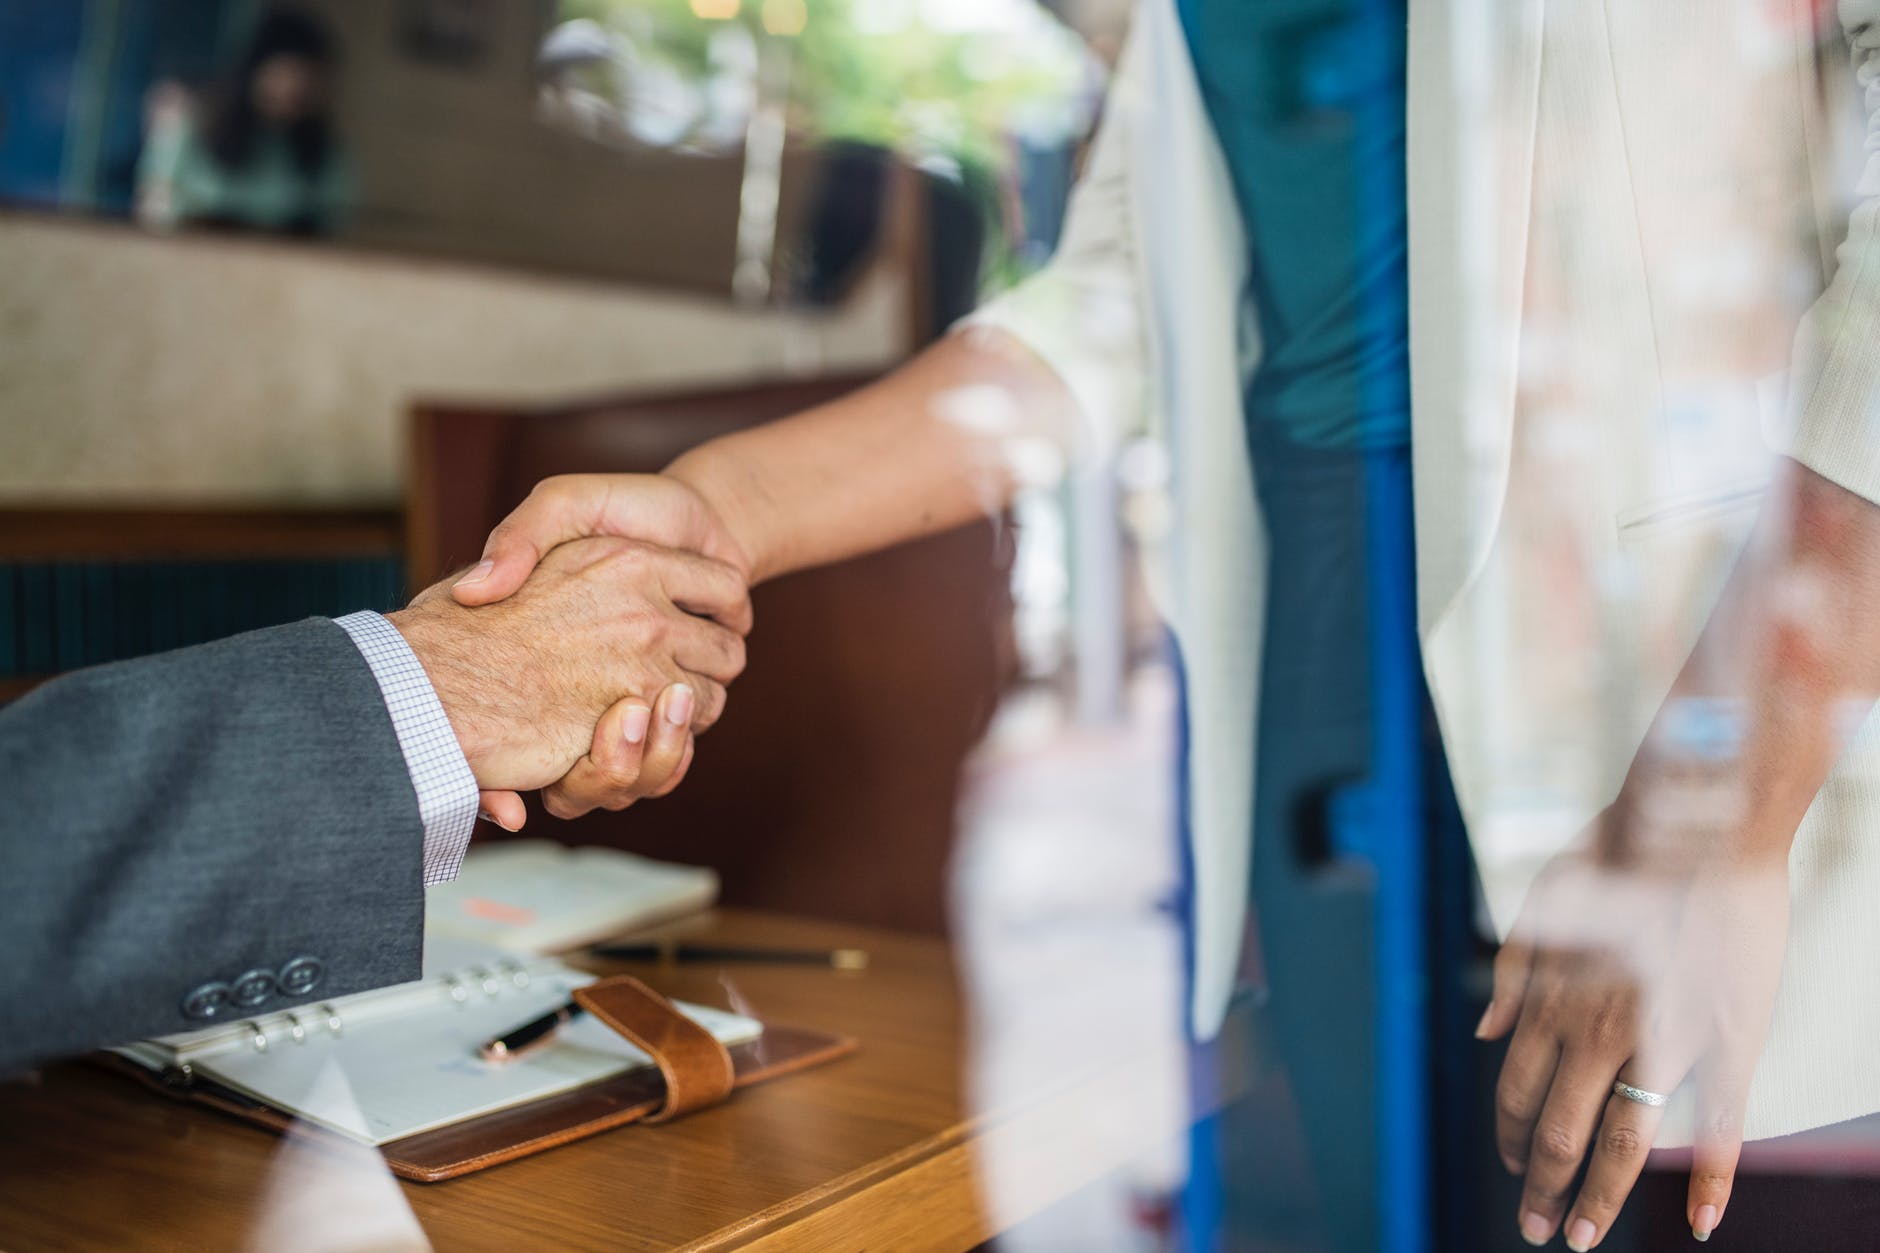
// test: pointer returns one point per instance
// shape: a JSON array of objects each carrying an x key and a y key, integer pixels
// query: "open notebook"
[{"x": 390, "y": 1063}]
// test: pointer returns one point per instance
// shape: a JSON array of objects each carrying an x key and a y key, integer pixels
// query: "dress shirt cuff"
[{"x": 447, "y": 791}]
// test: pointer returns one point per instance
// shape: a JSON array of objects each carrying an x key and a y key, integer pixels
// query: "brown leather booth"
[{"x": 829, "y": 787}]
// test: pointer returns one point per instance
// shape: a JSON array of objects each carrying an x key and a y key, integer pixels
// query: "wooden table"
[{"x": 878, "y": 1150}]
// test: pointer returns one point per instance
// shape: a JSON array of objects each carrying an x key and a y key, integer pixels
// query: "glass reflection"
[{"x": 1423, "y": 795}]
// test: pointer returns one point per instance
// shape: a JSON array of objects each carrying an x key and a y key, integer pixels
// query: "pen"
[
  {"x": 530, "y": 1035},
  {"x": 539, "y": 1031},
  {"x": 840, "y": 958}
]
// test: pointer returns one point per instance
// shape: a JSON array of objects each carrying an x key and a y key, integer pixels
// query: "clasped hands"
[{"x": 589, "y": 646}]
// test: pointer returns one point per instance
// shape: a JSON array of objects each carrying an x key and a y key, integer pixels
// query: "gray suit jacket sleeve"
[{"x": 229, "y": 827}]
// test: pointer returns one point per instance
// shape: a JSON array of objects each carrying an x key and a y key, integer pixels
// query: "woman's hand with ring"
[{"x": 1622, "y": 972}]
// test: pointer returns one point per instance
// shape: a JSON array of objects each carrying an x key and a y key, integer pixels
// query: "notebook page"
[{"x": 420, "y": 1070}]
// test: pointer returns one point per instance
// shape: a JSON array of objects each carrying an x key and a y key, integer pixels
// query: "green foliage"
[{"x": 920, "y": 91}]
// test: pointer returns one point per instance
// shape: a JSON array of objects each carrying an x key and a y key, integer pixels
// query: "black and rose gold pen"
[
  {"x": 530, "y": 1035},
  {"x": 536, "y": 1032}
]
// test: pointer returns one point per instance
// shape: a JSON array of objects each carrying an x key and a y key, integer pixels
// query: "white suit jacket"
[{"x": 1626, "y": 301}]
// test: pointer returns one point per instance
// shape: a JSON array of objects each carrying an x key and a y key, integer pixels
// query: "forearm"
[
  {"x": 258, "y": 813},
  {"x": 1793, "y": 648},
  {"x": 923, "y": 450}
]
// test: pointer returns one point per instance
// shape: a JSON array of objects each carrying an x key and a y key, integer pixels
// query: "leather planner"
[{"x": 690, "y": 1070}]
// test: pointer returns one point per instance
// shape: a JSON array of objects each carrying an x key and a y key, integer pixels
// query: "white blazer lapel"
[
  {"x": 1474, "y": 89},
  {"x": 1194, "y": 263}
]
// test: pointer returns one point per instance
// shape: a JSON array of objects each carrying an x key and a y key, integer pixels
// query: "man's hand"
[{"x": 559, "y": 679}]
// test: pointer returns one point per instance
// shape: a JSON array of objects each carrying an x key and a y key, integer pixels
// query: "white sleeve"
[
  {"x": 1083, "y": 313},
  {"x": 1836, "y": 368},
  {"x": 447, "y": 790}
]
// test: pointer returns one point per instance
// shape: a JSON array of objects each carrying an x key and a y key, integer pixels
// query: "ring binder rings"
[{"x": 415, "y": 1088}]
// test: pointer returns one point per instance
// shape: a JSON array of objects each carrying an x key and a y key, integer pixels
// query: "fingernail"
[
  {"x": 1581, "y": 1234},
  {"x": 1535, "y": 1229},
  {"x": 477, "y": 573},
  {"x": 1481, "y": 1028},
  {"x": 637, "y": 718},
  {"x": 679, "y": 706},
  {"x": 1705, "y": 1222}
]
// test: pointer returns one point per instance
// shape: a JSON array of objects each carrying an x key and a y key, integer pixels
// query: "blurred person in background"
[
  {"x": 1700, "y": 869},
  {"x": 258, "y": 153}
]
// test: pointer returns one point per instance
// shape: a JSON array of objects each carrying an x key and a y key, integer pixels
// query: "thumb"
[
  {"x": 1514, "y": 965},
  {"x": 559, "y": 509},
  {"x": 646, "y": 507}
]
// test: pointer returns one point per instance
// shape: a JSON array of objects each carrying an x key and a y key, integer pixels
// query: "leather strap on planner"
[{"x": 698, "y": 1070}]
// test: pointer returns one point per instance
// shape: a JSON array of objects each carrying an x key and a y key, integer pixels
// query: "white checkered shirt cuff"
[{"x": 447, "y": 791}]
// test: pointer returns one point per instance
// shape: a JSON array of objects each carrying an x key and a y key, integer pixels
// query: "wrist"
[
  {"x": 478, "y": 736},
  {"x": 1694, "y": 797},
  {"x": 728, "y": 491}
]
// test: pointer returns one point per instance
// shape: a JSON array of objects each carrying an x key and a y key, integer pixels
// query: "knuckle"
[
  {"x": 1512, "y": 1104},
  {"x": 1556, "y": 1144},
  {"x": 622, "y": 561},
  {"x": 1543, "y": 1196},
  {"x": 1710, "y": 1180},
  {"x": 1622, "y": 1142},
  {"x": 1608, "y": 1026},
  {"x": 556, "y": 802},
  {"x": 638, "y": 622},
  {"x": 1722, "y": 1123},
  {"x": 1599, "y": 1201},
  {"x": 621, "y": 778}
]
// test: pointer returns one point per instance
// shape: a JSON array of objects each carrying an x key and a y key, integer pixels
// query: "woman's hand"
[
  {"x": 652, "y": 508},
  {"x": 1642, "y": 975}
]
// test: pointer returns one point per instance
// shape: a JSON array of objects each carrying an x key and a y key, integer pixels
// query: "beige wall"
[{"x": 212, "y": 371}]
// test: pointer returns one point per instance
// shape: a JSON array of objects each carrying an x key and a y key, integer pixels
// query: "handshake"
[{"x": 588, "y": 647}]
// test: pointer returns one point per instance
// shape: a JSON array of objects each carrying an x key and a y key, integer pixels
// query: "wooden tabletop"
[{"x": 876, "y": 1150}]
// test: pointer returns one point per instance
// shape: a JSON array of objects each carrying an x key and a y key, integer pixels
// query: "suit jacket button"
[
  {"x": 253, "y": 987},
  {"x": 301, "y": 976},
  {"x": 210, "y": 1001}
]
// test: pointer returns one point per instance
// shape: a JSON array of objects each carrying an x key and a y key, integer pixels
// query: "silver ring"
[{"x": 1654, "y": 1099}]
